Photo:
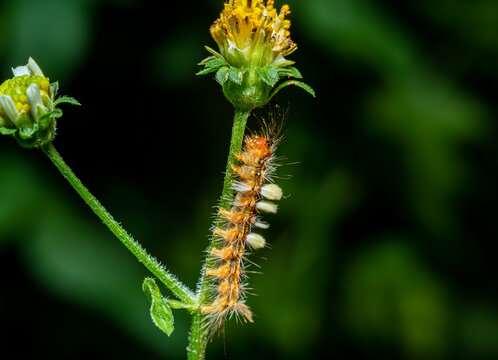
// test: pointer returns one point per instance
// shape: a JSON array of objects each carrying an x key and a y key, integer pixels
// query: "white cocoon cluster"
[
  {"x": 267, "y": 206},
  {"x": 261, "y": 224},
  {"x": 255, "y": 241},
  {"x": 272, "y": 192}
]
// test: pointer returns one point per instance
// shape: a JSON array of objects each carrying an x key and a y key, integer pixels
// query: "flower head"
[
  {"x": 253, "y": 40},
  {"x": 27, "y": 107},
  {"x": 250, "y": 32}
]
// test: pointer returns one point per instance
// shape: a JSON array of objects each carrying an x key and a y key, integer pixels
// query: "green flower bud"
[{"x": 28, "y": 109}]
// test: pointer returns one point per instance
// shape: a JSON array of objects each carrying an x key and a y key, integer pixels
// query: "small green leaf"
[
  {"x": 160, "y": 312},
  {"x": 236, "y": 75},
  {"x": 293, "y": 82},
  {"x": 290, "y": 71},
  {"x": 222, "y": 75},
  {"x": 269, "y": 74},
  {"x": 66, "y": 99},
  {"x": 5, "y": 131},
  {"x": 175, "y": 304}
]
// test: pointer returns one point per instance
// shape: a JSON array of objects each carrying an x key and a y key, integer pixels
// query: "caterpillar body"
[{"x": 254, "y": 193}]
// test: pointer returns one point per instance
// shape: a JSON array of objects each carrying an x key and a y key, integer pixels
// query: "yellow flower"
[
  {"x": 253, "y": 38},
  {"x": 250, "y": 33}
]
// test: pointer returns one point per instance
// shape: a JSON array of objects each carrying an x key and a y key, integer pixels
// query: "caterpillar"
[{"x": 254, "y": 193}]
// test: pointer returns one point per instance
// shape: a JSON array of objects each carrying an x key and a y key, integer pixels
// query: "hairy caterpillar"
[{"x": 254, "y": 192}]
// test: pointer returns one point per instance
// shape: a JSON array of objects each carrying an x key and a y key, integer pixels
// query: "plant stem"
[
  {"x": 199, "y": 336},
  {"x": 198, "y": 339},
  {"x": 179, "y": 289}
]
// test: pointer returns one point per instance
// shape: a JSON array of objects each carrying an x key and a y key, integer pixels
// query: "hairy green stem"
[
  {"x": 199, "y": 336},
  {"x": 180, "y": 290}
]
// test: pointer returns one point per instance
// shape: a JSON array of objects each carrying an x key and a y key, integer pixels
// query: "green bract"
[{"x": 28, "y": 109}]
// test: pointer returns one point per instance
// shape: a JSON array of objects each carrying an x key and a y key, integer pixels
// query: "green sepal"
[
  {"x": 203, "y": 62},
  {"x": 160, "y": 312},
  {"x": 214, "y": 52},
  {"x": 46, "y": 120},
  {"x": 293, "y": 82},
  {"x": 66, "y": 99},
  {"x": 6, "y": 131},
  {"x": 290, "y": 71},
  {"x": 269, "y": 74},
  {"x": 236, "y": 75},
  {"x": 222, "y": 75},
  {"x": 55, "y": 89},
  {"x": 27, "y": 128},
  {"x": 56, "y": 113},
  {"x": 27, "y": 133},
  {"x": 47, "y": 102},
  {"x": 280, "y": 61},
  {"x": 3, "y": 121},
  {"x": 212, "y": 66}
]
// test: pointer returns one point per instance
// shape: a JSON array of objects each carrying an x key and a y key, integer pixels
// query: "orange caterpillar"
[{"x": 253, "y": 191}]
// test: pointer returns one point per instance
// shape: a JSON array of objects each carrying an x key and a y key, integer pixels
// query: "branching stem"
[
  {"x": 198, "y": 335},
  {"x": 179, "y": 289}
]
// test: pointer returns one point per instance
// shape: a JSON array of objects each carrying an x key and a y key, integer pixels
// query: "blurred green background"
[{"x": 382, "y": 249}]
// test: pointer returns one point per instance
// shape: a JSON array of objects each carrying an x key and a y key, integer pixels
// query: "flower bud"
[{"x": 28, "y": 111}]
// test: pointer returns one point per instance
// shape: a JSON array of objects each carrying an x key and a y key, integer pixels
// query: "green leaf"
[
  {"x": 269, "y": 74},
  {"x": 67, "y": 99},
  {"x": 290, "y": 71},
  {"x": 236, "y": 75},
  {"x": 293, "y": 82},
  {"x": 222, "y": 75},
  {"x": 160, "y": 312}
]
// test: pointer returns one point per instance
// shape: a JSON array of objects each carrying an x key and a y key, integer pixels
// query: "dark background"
[{"x": 382, "y": 249}]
